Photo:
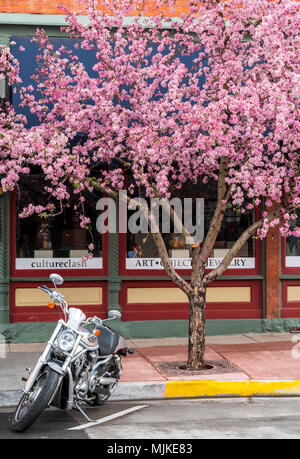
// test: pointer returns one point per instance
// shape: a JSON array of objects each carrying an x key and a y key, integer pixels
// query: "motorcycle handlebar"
[
  {"x": 94, "y": 320},
  {"x": 46, "y": 289},
  {"x": 56, "y": 296}
]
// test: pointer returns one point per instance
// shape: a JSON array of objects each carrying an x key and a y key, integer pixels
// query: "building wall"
[
  {"x": 50, "y": 6},
  {"x": 272, "y": 274}
]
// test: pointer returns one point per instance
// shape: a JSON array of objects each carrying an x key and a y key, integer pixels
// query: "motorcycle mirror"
[
  {"x": 56, "y": 279},
  {"x": 114, "y": 314}
]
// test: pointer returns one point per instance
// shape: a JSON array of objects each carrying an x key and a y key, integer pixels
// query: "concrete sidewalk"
[{"x": 265, "y": 364}]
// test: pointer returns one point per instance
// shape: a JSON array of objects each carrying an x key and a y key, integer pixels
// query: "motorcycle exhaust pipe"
[{"x": 106, "y": 381}]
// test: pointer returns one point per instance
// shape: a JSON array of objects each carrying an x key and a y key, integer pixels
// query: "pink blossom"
[{"x": 146, "y": 117}]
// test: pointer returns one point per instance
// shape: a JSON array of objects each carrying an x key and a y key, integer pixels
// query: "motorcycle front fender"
[
  {"x": 63, "y": 397},
  {"x": 54, "y": 366}
]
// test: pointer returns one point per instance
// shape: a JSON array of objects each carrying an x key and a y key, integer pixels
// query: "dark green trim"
[
  {"x": 263, "y": 267},
  {"x": 7, "y": 30},
  {"x": 219, "y": 278},
  {"x": 4, "y": 257},
  {"x": 4, "y": 38},
  {"x": 280, "y": 276},
  {"x": 263, "y": 271},
  {"x": 241, "y": 326},
  {"x": 289, "y": 276},
  {"x": 114, "y": 281},
  {"x": 39, "y": 332}
]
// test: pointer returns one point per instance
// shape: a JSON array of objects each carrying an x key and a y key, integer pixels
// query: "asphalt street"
[{"x": 238, "y": 418}]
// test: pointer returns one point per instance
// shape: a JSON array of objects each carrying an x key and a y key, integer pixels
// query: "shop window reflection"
[
  {"x": 58, "y": 237},
  {"x": 142, "y": 245},
  {"x": 293, "y": 245}
]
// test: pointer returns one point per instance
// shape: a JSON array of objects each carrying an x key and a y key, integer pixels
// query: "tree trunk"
[{"x": 197, "y": 329}]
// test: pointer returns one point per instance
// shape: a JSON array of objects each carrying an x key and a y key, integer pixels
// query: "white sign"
[
  {"x": 58, "y": 263},
  {"x": 2, "y": 347},
  {"x": 186, "y": 263},
  {"x": 292, "y": 262}
]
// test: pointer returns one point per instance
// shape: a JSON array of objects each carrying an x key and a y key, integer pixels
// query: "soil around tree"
[{"x": 179, "y": 368}]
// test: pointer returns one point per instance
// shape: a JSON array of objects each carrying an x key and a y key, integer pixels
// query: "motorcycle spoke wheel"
[
  {"x": 27, "y": 400},
  {"x": 31, "y": 405}
]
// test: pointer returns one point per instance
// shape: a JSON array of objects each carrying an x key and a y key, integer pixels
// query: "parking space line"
[{"x": 108, "y": 418}]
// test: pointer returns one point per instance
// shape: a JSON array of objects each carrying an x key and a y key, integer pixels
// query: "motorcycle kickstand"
[{"x": 78, "y": 408}]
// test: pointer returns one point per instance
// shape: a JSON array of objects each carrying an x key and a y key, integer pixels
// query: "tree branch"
[
  {"x": 223, "y": 196},
  {"x": 238, "y": 245}
]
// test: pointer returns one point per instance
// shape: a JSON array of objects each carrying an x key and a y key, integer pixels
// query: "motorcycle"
[{"x": 78, "y": 366}]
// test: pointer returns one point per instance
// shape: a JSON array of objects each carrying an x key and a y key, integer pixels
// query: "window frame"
[
  {"x": 123, "y": 271},
  {"x": 284, "y": 268},
  {"x": 32, "y": 273}
]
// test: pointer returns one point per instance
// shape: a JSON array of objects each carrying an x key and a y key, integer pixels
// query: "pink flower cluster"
[{"x": 145, "y": 111}]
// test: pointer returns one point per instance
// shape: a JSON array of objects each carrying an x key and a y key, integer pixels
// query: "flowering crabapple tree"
[{"x": 145, "y": 115}]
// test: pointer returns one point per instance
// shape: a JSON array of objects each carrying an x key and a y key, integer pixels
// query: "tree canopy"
[{"x": 230, "y": 110}]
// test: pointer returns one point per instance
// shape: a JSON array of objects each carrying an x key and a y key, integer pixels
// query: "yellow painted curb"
[{"x": 244, "y": 388}]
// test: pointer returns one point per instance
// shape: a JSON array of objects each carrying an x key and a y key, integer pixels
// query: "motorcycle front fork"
[{"x": 42, "y": 360}]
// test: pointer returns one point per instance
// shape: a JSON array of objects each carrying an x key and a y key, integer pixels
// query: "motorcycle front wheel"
[{"x": 31, "y": 405}]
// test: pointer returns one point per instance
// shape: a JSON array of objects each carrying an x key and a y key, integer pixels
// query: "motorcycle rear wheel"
[{"x": 32, "y": 405}]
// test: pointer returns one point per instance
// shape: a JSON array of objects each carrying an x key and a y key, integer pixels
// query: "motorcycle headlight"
[{"x": 66, "y": 340}]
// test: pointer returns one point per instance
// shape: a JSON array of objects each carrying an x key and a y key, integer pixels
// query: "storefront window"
[
  {"x": 57, "y": 242},
  {"x": 142, "y": 252},
  {"x": 293, "y": 247}
]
